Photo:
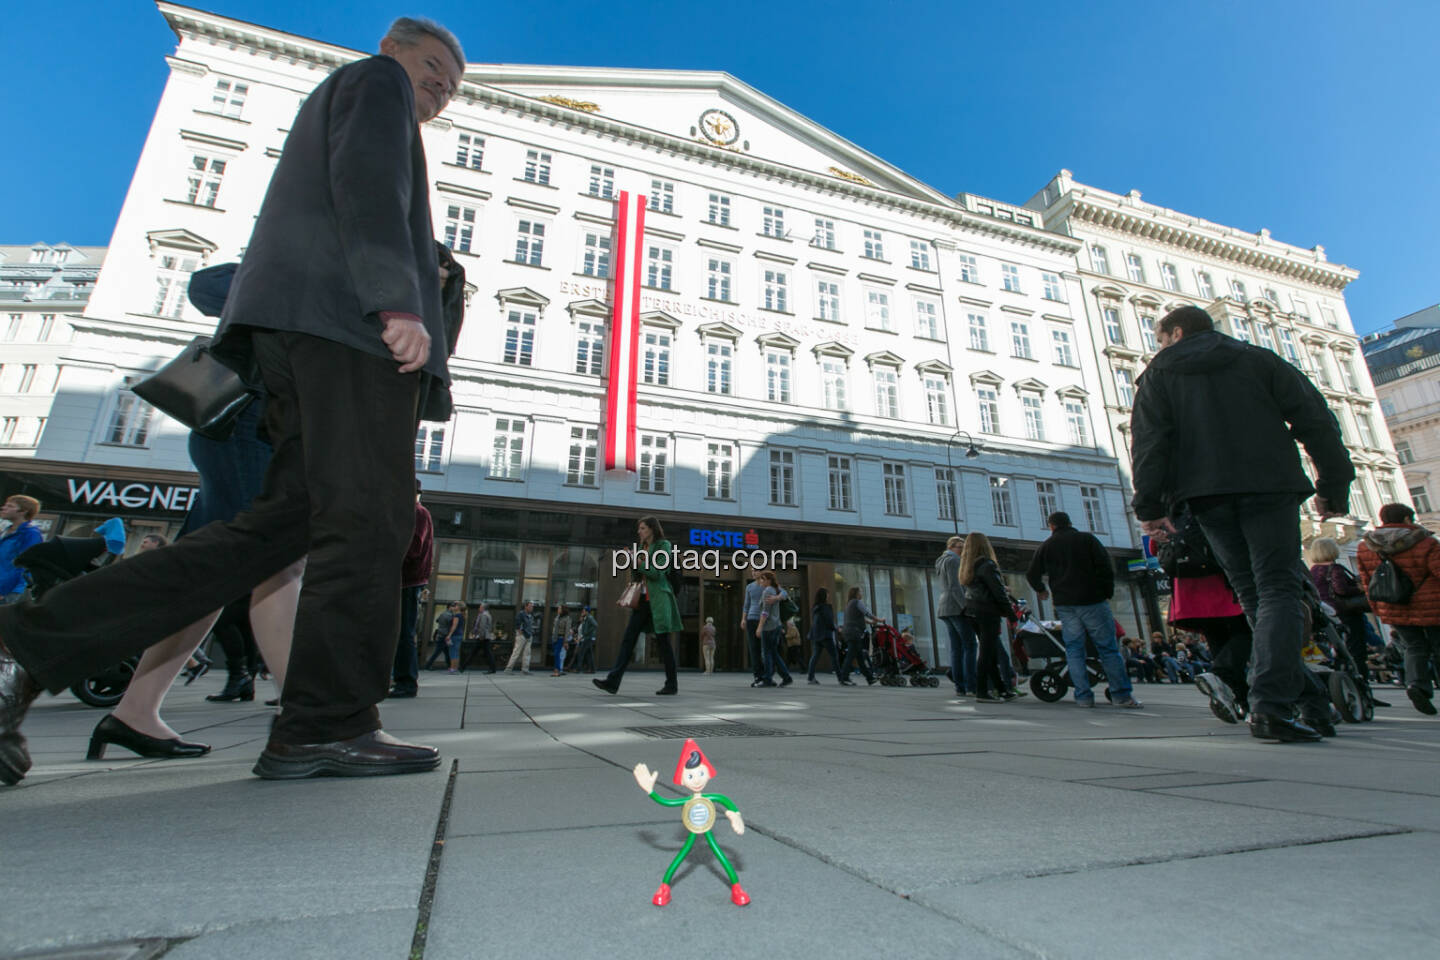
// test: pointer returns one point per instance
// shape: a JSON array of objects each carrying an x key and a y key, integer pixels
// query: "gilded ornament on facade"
[
  {"x": 1415, "y": 352},
  {"x": 847, "y": 175},
  {"x": 585, "y": 106}
]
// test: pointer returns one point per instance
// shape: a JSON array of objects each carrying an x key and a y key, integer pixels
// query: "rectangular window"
[
  {"x": 530, "y": 242},
  {"x": 1243, "y": 332},
  {"x": 602, "y": 182},
  {"x": 655, "y": 367},
  {"x": 1301, "y": 308},
  {"x": 654, "y": 464},
  {"x": 1403, "y": 453},
  {"x": 946, "y": 496},
  {"x": 584, "y": 444},
  {"x": 1020, "y": 340},
  {"x": 469, "y": 150},
  {"x": 537, "y": 167},
  {"x": 1134, "y": 267},
  {"x": 1147, "y": 334},
  {"x": 1207, "y": 285},
  {"x": 1125, "y": 387},
  {"x": 590, "y": 347},
  {"x": 979, "y": 338},
  {"x": 459, "y": 227},
  {"x": 1386, "y": 488},
  {"x": 507, "y": 456},
  {"x": 719, "y": 468},
  {"x": 774, "y": 223},
  {"x": 172, "y": 282},
  {"x": 8, "y": 426},
  {"x": 777, "y": 375},
  {"x": 27, "y": 378},
  {"x": 1328, "y": 315},
  {"x": 895, "y": 489},
  {"x": 204, "y": 180},
  {"x": 1000, "y": 503},
  {"x": 887, "y": 392},
  {"x": 1263, "y": 337},
  {"x": 595, "y": 256},
  {"x": 1047, "y": 493},
  {"x": 1347, "y": 370},
  {"x": 874, "y": 245},
  {"x": 1099, "y": 258},
  {"x": 832, "y": 382},
  {"x": 1288, "y": 349},
  {"x": 839, "y": 478},
  {"x": 969, "y": 268},
  {"x": 937, "y": 398},
  {"x": 877, "y": 309},
  {"x": 1034, "y": 417},
  {"x": 520, "y": 326},
  {"x": 1271, "y": 295},
  {"x": 1094, "y": 509},
  {"x": 130, "y": 424},
  {"x": 919, "y": 255},
  {"x": 1052, "y": 288},
  {"x": 1322, "y": 371},
  {"x": 718, "y": 355},
  {"x": 827, "y": 300},
  {"x": 719, "y": 210},
  {"x": 1367, "y": 429},
  {"x": 927, "y": 319},
  {"x": 987, "y": 401},
  {"x": 1064, "y": 352},
  {"x": 12, "y": 327},
  {"x": 824, "y": 234},
  {"x": 47, "y": 326},
  {"x": 1237, "y": 290},
  {"x": 1010, "y": 277},
  {"x": 1114, "y": 332},
  {"x": 1170, "y": 277},
  {"x": 659, "y": 267},
  {"x": 1421, "y": 498},
  {"x": 662, "y": 196},
  {"x": 717, "y": 279},
  {"x": 776, "y": 296},
  {"x": 229, "y": 98},
  {"x": 1075, "y": 421},
  {"x": 782, "y": 477},
  {"x": 429, "y": 448}
]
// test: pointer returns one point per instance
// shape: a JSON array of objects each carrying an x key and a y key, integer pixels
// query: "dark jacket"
[
  {"x": 1078, "y": 568},
  {"x": 1215, "y": 416},
  {"x": 345, "y": 230},
  {"x": 822, "y": 622},
  {"x": 952, "y": 595},
  {"x": 985, "y": 594}
]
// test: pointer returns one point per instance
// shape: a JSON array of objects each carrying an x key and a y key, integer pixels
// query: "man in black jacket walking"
[
  {"x": 336, "y": 307},
  {"x": 1082, "y": 578},
  {"x": 1214, "y": 426}
]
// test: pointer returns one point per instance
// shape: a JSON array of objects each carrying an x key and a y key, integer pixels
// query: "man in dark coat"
[
  {"x": 1214, "y": 425},
  {"x": 336, "y": 308}
]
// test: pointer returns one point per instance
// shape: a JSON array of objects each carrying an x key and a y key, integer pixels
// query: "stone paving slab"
[
  {"x": 1401, "y": 809},
  {"x": 377, "y": 935}
]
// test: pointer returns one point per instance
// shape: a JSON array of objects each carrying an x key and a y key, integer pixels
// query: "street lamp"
[{"x": 971, "y": 452}]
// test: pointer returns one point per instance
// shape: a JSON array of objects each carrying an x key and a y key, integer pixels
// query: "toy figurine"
[{"x": 693, "y": 772}]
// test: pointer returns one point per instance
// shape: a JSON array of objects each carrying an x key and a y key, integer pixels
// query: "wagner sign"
[{"x": 131, "y": 496}]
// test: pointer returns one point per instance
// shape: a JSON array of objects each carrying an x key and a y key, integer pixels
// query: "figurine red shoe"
[
  {"x": 738, "y": 896},
  {"x": 662, "y": 896}
]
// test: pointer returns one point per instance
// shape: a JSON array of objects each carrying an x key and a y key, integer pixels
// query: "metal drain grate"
[{"x": 705, "y": 731}]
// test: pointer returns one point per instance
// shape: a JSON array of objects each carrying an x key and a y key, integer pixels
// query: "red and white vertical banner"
[{"x": 626, "y": 257}]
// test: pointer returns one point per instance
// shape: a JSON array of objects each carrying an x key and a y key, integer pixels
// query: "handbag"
[
  {"x": 198, "y": 390},
  {"x": 630, "y": 596}
]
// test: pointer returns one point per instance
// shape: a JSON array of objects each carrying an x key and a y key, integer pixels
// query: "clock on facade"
[{"x": 719, "y": 127}]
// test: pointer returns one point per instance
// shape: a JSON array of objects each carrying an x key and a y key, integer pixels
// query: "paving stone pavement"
[{"x": 880, "y": 822}]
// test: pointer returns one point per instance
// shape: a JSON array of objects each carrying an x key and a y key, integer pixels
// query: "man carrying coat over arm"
[
  {"x": 336, "y": 309},
  {"x": 1214, "y": 426}
]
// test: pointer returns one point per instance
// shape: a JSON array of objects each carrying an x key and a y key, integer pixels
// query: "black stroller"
[
  {"x": 1051, "y": 682},
  {"x": 1347, "y": 682}
]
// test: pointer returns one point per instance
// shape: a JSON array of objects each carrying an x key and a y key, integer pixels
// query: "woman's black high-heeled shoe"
[
  {"x": 237, "y": 687},
  {"x": 109, "y": 730}
]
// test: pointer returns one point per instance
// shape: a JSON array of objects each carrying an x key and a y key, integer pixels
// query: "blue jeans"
[
  {"x": 820, "y": 645},
  {"x": 1097, "y": 622},
  {"x": 774, "y": 654},
  {"x": 557, "y": 650},
  {"x": 963, "y": 649}
]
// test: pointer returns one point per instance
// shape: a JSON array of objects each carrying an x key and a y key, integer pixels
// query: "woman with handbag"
[
  {"x": 1201, "y": 600},
  {"x": 1341, "y": 589},
  {"x": 986, "y": 603},
  {"x": 653, "y": 610},
  {"x": 770, "y": 630}
]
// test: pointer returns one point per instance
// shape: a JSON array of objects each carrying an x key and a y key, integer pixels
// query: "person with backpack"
[
  {"x": 657, "y": 615},
  {"x": 822, "y": 633},
  {"x": 1345, "y": 593},
  {"x": 1400, "y": 567},
  {"x": 771, "y": 627},
  {"x": 986, "y": 604}
]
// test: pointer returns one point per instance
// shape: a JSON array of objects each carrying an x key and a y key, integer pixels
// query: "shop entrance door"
[{"x": 721, "y": 599}]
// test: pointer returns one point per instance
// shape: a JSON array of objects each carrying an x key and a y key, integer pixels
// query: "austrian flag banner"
[{"x": 626, "y": 249}]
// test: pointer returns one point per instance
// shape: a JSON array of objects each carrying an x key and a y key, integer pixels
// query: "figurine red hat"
[{"x": 691, "y": 756}]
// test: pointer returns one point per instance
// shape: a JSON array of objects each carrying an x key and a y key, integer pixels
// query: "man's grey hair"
[{"x": 407, "y": 31}]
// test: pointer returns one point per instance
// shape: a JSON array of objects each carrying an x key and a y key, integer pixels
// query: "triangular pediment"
[
  {"x": 523, "y": 295},
  {"x": 590, "y": 308},
  {"x": 706, "y": 107},
  {"x": 181, "y": 239},
  {"x": 884, "y": 358},
  {"x": 1030, "y": 384}
]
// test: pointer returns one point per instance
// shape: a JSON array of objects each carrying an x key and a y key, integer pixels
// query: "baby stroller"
[
  {"x": 1328, "y": 657},
  {"x": 1052, "y": 680},
  {"x": 897, "y": 662}
]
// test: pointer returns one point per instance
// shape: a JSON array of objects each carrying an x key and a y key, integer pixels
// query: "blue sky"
[{"x": 1316, "y": 119}]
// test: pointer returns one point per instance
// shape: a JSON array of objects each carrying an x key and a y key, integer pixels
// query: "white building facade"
[
  {"x": 823, "y": 338},
  {"x": 1138, "y": 261}
]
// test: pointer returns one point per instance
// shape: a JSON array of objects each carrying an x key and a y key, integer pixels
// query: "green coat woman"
[
  {"x": 664, "y": 610},
  {"x": 658, "y": 616}
]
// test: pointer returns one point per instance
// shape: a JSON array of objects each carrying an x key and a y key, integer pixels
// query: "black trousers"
[
  {"x": 641, "y": 622},
  {"x": 1230, "y": 640},
  {"x": 987, "y": 660},
  {"x": 855, "y": 656},
  {"x": 752, "y": 643},
  {"x": 235, "y": 637},
  {"x": 340, "y": 488},
  {"x": 406, "y": 670}
]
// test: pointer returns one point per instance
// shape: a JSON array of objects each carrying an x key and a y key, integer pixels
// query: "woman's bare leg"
[
  {"x": 272, "y": 618},
  {"x": 159, "y": 665}
]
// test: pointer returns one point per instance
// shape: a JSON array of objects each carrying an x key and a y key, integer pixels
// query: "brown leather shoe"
[
  {"x": 17, "y": 692},
  {"x": 374, "y": 754}
]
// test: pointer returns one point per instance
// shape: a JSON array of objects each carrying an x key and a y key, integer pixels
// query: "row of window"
[
  {"x": 507, "y": 462},
  {"x": 21, "y": 431},
  {"x": 40, "y": 333},
  {"x": 28, "y": 378},
  {"x": 1204, "y": 284}
]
